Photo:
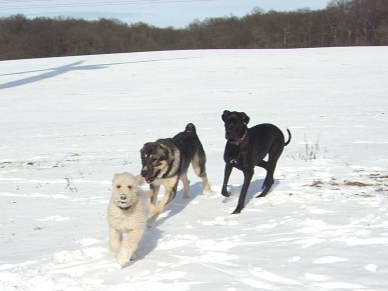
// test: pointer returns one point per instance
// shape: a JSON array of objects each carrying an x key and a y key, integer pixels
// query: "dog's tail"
[
  {"x": 190, "y": 128},
  {"x": 289, "y": 138}
]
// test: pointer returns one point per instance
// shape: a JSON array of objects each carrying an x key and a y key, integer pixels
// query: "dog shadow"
[
  {"x": 254, "y": 190},
  {"x": 153, "y": 234},
  {"x": 178, "y": 204},
  {"x": 148, "y": 243}
]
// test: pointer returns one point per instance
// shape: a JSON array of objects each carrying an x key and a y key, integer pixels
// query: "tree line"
[{"x": 341, "y": 23}]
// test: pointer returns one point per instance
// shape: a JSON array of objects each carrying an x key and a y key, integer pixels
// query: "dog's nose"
[
  {"x": 123, "y": 197},
  {"x": 144, "y": 171}
]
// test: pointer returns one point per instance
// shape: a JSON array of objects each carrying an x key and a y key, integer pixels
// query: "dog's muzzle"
[
  {"x": 147, "y": 173},
  {"x": 123, "y": 202}
]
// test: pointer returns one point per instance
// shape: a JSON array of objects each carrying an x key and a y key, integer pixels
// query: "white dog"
[{"x": 128, "y": 212}]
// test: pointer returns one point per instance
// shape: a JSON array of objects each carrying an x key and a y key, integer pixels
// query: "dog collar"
[{"x": 240, "y": 140}]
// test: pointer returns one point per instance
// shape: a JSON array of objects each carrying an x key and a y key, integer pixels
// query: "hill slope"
[{"x": 68, "y": 124}]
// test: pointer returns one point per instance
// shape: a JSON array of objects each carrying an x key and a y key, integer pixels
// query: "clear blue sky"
[{"x": 161, "y": 13}]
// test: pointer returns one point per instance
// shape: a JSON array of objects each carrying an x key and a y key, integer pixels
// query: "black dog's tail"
[
  {"x": 289, "y": 138},
  {"x": 190, "y": 128}
]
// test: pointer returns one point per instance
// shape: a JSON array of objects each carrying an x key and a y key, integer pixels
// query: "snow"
[{"x": 68, "y": 124}]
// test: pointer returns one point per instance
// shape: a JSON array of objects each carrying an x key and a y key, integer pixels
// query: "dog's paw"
[
  {"x": 133, "y": 257},
  {"x": 237, "y": 211},
  {"x": 207, "y": 189},
  {"x": 265, "y": 190},
  {"x": 123, "y": 259}
]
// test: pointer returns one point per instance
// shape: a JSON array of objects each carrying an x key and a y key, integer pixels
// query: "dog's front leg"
[
  {"x": 154, "y": 193},
  {"x": 114, "y": 239},
  {"x": 168, "y": 196},
  {"x": 227, "y": 172},
  {"x": 156, "y": 210},
  {"x": 129, "y": 246},
  {"x": 170, "y": 186},
  {"x": 248, "y": 174}
]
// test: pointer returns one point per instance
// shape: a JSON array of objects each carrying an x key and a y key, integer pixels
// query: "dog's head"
[
  {"x": 154, "y": 158},
  {"x": 236, "y": 124},
  {"x": 125, "y": 190}
]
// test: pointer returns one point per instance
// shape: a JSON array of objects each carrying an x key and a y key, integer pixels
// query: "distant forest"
[{"x": 342, "y": 23}]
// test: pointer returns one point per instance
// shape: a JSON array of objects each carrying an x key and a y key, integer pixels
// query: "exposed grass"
[{"x": 357, "y": 184}]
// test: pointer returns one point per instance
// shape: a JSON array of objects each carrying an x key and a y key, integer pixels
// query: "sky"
[{"x": 161, "y": 13}]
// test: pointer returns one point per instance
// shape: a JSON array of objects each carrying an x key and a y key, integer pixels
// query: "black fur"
[{"x": 246, "y": 148}]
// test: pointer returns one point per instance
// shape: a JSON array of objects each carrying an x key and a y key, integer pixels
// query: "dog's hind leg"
[
  {"x": 199, "y": 166},
  {"x": 270, "y": 166},
  {"x": 206, "y": 188},
  {"x": 186, "y": 185},
  {"x": 262, "y": 164}
]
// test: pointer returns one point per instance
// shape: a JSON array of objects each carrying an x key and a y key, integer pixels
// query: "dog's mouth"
[
  {"x": 150, "y": 179},
  {"x": 124, "y": 205}
]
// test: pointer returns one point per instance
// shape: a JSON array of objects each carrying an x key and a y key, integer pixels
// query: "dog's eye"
[
  {"x": 118, "y": 186},
  {"x": 129, "y": 187}
]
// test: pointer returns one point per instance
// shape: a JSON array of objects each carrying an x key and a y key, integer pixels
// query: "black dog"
[
  {"x": 166, "y": 161},
  {"x": 246, "y": 148}
]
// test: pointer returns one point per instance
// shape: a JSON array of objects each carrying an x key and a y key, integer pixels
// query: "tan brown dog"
[
  {"x": 128, "y": 212},
  {"x": 166, "y": 161}
]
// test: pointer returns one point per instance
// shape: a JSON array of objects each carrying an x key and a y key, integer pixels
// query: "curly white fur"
[{"x": 128, "y": 212}]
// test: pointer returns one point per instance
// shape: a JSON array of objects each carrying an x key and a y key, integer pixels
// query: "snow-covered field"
[{"x": 68, "y": 124}]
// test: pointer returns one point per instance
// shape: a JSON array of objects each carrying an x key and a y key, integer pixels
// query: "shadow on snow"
[
  {"x": 56, "y": 71},
  {"x": 152, "y": 235}
]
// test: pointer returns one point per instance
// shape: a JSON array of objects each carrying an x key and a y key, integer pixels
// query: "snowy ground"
[{"x": 68, "y": 124}]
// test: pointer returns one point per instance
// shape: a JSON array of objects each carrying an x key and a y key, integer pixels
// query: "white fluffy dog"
[{"x": 128, "y": 212}]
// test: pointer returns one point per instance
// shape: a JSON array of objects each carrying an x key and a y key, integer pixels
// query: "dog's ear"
[
  {"x": 144, "y": 149},
  {"x": 225, "y": 114},
  {"x": 140, "y": 180},
  {"x": 244, "y": 117}
]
